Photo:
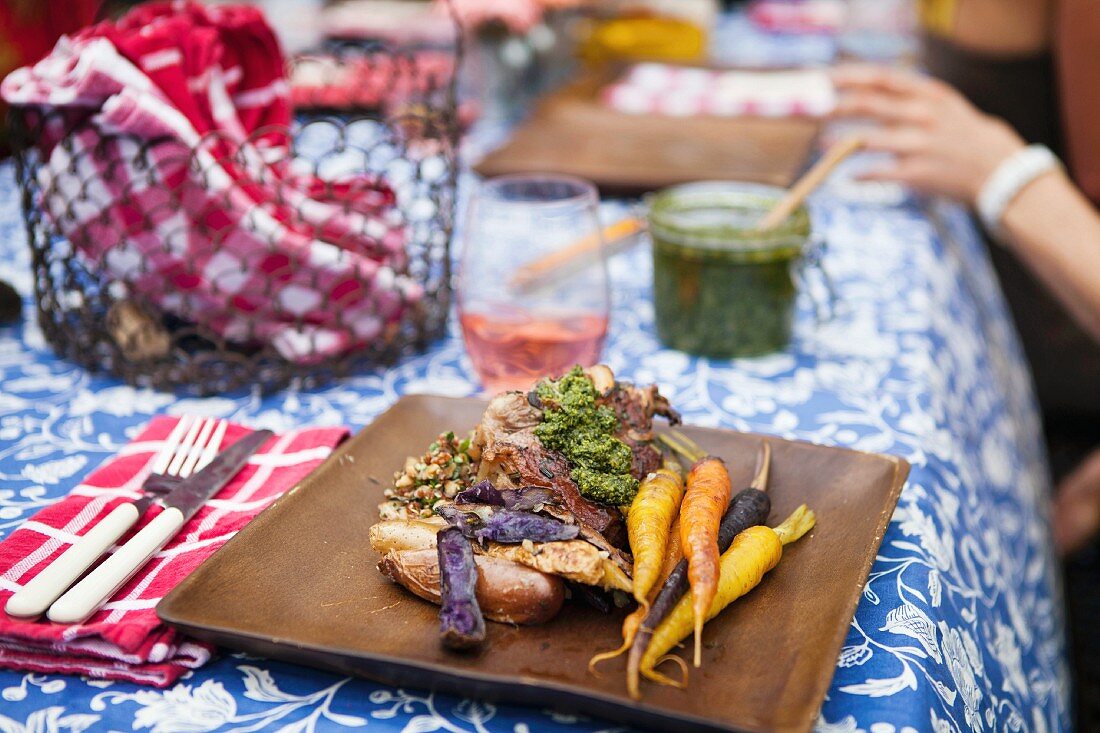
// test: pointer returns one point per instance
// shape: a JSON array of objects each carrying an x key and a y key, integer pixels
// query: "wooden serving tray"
[
  {"x": 572, "y": 132},
  {"x": 299, "y": 583}
]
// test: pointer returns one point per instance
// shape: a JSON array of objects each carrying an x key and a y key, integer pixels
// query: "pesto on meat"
[{"x": 584, "y": 432}]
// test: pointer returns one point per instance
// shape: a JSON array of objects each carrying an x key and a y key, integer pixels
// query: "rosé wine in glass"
[
  {"x": 518, "y": 331},
  {"x": 513, "y": 350}
]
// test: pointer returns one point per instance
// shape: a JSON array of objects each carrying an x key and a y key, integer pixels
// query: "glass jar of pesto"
[{"x": 721, "y": 288}]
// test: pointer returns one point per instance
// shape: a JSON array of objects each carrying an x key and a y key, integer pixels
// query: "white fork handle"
[
  {"x": 85, "y": 598},
  {"x": 35, "y": 597}
]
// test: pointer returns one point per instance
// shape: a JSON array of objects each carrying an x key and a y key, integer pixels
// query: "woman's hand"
[{"x": 942, "y": 143}]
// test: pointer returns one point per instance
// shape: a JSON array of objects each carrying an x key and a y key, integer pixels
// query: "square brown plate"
[
  {"x": 628, "y": 154},
  {"x": 299, "y": 584}
]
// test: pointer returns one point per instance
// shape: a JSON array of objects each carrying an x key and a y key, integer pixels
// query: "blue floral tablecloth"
[{"x": 961, "y": 623}]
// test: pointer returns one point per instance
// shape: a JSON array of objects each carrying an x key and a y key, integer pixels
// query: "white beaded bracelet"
[{"x": 1008, "y": 180}]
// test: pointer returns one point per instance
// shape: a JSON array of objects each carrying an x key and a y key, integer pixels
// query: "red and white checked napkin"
[
  {"x": 179, "y": 181},
  {"x": 683, "y": 91},
  {"x": 125, "y": 640}
]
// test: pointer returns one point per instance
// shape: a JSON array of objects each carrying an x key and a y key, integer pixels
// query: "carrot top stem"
[
  {"x": 800, "y": 522},
  {"x": 683, "y": 445},
  {"x": 763, "y": 467},
  {"x": 604, "y": 656}
]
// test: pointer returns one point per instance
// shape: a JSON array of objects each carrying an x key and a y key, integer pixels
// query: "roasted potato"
[
  {"x": 405, "y": 534},
  {"x": 506, "y": 591}
]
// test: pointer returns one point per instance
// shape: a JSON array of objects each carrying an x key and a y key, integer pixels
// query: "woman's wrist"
[
  {"x": 992, "y": 142},
  {"x": 1004, "y": 184}
]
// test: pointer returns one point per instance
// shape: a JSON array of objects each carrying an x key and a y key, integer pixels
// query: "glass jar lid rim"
[{"x": 669, "y": 213}]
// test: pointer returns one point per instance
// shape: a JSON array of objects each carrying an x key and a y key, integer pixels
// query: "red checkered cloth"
[
  {"x": 683, "y": 91},
  {"x": 179, "y": 181},
  {"x": 799, "y": 16},
  {"x": 125, "y": 640}
]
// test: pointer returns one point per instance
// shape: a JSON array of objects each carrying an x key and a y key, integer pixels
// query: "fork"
[{"x": 191, "y": 445}]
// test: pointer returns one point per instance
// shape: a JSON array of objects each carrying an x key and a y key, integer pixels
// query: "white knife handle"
[
  {"x": 35, "y": 597},
  {"x": 85, "y": 598}
]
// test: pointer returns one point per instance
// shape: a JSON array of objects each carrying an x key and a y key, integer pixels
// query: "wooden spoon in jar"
[{"x": 810, "y": 181}]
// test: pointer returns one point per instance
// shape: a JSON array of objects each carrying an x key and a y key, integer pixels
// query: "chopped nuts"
[{"x": 445, "y": 469}]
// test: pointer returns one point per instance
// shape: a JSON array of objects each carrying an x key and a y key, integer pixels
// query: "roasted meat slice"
[
  {"x": 510, "y": 419},
  {"x": 511, "y": 455},
  {"x": 635, "y": 408}
]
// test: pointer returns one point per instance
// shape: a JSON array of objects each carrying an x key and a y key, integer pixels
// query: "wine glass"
[{"x": 533, "y": 295}]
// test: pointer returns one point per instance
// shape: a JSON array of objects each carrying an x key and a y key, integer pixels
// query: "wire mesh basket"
[{"x": 302, "y": 252}]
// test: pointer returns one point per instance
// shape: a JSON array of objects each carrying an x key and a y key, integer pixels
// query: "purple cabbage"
[
  {"x": 483, "y": 492},
  {"x": 512, "y": 526},
  {"x": 461, "y": 625},
  {"x": 525, "y": 499},
  {"x": 528, "y": 499}
]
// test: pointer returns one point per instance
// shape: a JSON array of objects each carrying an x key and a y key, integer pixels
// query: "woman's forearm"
[
  {"x": 1056, "y": 232},
  {"x": 939, "y": 143}
]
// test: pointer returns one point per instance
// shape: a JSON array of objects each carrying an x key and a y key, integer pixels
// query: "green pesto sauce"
[{"x": 574, "y": 425}]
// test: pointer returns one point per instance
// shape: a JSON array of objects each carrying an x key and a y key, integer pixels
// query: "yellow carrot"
[
  {"x": 647, "y": 524},
  {"x": 753, "y": 553},
  {"x": 633, "y": 622}
]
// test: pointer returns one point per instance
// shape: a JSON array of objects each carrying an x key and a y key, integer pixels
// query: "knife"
[{"x": 180, "y": 504}]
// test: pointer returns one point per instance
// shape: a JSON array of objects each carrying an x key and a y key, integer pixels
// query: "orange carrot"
[{"x": 705, "y": 501}]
